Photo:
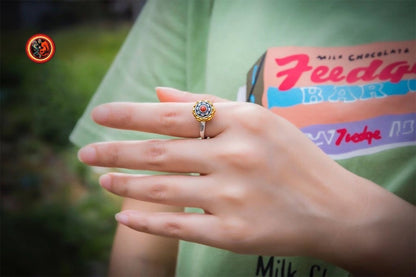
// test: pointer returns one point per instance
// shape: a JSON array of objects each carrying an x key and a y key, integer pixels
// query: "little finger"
[{"x": 195, "y": 227}]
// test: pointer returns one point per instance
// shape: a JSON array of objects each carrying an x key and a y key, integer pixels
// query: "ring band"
[{"x": 203, "y": 111}]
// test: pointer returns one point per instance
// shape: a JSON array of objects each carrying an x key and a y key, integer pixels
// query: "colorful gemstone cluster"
[{"x": 203, "y": 110}]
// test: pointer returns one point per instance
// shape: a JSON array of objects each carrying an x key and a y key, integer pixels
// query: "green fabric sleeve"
[{"x": 164, "y": 48}]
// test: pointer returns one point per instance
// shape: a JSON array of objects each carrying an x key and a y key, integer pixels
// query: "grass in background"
[{"x": 55, "y": 219}]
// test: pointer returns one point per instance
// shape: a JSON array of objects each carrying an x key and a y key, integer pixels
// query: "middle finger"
[{"x": 176, "y": 155}]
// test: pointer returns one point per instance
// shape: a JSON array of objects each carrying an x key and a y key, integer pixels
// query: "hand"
[{"x": 264, "y": 187}]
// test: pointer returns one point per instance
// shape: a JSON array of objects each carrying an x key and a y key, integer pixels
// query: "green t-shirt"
[{"x": 209, "y": 46}]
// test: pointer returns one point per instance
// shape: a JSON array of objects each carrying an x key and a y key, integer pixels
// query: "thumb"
[{"x": 174, "y": 95}]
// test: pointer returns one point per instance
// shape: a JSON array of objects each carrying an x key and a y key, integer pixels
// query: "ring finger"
[{"x": 173, "y": 119}]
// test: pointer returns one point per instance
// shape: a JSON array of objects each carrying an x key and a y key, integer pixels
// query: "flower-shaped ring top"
[{"x": 203, "y": 111}]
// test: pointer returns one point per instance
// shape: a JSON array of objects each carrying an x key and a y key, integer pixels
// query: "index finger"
[{"x": 172, "y": 119}]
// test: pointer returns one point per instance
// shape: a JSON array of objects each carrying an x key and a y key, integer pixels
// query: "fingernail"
[
  {"x": 122, "y": 218},
  {"x": 100, "y": 114},
  {"x": 168, "y": 89},
  {"x": 87, "y": 154},
  {"x": 105, "y": 181}
]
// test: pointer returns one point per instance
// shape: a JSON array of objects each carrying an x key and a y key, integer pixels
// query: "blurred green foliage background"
[{"x": 55, "y": 219}]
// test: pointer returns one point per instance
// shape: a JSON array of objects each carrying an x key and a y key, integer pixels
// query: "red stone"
[{"x": 203, "y": 108}]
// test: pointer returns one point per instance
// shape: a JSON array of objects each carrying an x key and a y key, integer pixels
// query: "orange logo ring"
[{"x": 40, "y": 48}]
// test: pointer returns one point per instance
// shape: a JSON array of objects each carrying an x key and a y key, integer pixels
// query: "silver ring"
[{"x": 203, "y": 111}]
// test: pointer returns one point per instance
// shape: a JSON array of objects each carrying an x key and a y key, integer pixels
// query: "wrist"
[{"x": 374, "y": 234}]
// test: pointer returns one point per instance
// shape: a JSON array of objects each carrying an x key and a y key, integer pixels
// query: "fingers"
[
  {"x": 175, "y": 190},
  {"x": 156, "y": 155},
  {"x": 173, "y": 119},
  {"x": 173, "y": 95},
  {"x": 186, "y": 226}
]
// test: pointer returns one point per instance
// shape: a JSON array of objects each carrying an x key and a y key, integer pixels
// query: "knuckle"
[
  {"x": 236, "y": 232},
  {"x": 249, "y": 115},
  {"x": 112, "y": 156},
  {"x": 158, "y": 192},
  {"x": 168, "y": 120},
  {"x": 156, "y": 152},
  {"x": 232, "y": 195},
  {"x": 143, "y": 225},
  {"x": 123, "y": 186},
  {"x": 173, "y": 229},
  {"x": 241, "y": 155},
  {"x": 122, "y": 189},
  {"x": 125, "y": 117}
]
